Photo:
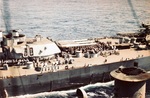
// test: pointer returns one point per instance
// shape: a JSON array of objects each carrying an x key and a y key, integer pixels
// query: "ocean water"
[
  {"x": 97, "y": 90},
  {"x": 74, "y": 19}
]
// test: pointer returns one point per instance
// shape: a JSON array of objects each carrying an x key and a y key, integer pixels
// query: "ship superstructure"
[{"x": 17, "y": 46}]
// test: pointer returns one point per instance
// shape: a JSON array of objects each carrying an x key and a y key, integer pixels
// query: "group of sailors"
[
  {"x": 21, "y": 62},
  {"x": 44, "y": 65},
  {"x": 100, "y": 48},
  {"x": 53, "y": 65}
]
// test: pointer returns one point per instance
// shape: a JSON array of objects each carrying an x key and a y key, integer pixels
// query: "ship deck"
[{"x": 79, "y": 62}]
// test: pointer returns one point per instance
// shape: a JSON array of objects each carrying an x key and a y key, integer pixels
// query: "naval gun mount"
[
  {"x": 141, "y": 36},
  {"x": 130, "y": 82}
]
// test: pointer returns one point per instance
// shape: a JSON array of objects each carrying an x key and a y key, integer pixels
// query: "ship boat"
[{"x": 39, "y": 64}]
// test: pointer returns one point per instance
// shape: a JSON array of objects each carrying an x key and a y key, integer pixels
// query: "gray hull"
[{"x": 65, "y": 79}]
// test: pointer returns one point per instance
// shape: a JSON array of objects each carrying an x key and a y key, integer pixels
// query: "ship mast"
[
  {"x": 133, "y": 12},
  {"x": 6, "y": 15}
]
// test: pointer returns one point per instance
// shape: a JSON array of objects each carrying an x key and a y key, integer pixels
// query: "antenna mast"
[{"x": 6, "y": 15}]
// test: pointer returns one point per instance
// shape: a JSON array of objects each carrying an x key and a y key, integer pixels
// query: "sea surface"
[
  {"x": 74, "y": 19},
  {"x": 97, "y": 90}
]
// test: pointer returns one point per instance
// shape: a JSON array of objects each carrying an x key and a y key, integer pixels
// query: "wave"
[{"x": 97, "y": 90}]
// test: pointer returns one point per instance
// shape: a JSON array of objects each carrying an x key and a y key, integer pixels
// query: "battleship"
[{"x": 39, "y": 64}]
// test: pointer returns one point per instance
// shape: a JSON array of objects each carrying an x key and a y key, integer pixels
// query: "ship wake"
[{"x": 97, "y": 90}]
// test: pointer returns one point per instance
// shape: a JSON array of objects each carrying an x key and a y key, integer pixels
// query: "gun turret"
[{"x": 142, "y": 35}]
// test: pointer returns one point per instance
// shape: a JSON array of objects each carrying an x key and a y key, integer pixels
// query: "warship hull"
[{"x": 52, "y": 81}]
